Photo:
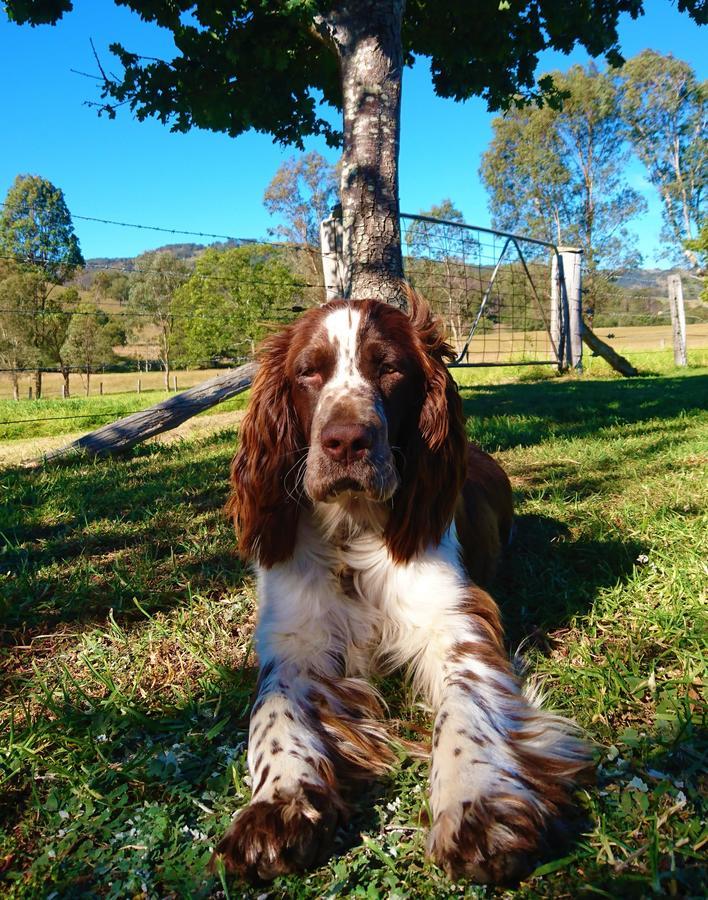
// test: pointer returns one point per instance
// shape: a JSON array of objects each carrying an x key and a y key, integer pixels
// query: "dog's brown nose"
[{"x": 346, "y": 443}]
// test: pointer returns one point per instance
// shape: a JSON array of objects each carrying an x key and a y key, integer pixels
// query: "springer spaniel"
[{"x": 371, "y": 520}]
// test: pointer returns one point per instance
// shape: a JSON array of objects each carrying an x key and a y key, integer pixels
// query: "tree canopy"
[
  {"x": 229, "y": 301},
  {"x": 559, "y": 175},
  {"x": 231, "y": 73},
  {"x": 665, "y": 108},
  {"x": 36, "y": 228}
]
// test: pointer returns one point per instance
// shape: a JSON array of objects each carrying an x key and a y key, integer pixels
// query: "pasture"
[{"x": 127, "y": 667}]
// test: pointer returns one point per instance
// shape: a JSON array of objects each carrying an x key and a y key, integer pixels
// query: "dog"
[{"x": 372, "y": 523}]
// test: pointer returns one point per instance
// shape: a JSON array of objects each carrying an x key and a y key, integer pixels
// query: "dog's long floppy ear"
[
  {"x": 434, "y": 450},
  {"x": 264, "y": 501}
]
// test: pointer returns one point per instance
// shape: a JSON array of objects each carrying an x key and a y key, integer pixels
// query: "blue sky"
[{"x": 141, "y": 172}]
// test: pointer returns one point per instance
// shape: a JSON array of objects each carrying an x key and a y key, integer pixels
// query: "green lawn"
[{"x": 127, "y": 671}]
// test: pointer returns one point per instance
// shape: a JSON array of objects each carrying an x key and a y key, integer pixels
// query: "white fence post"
[
  {"x": 572, "y": 258},
  {"x": 333, "y": 266},
  {"x": 558, "y": 332},
  {"x": 678, "y": 319}
]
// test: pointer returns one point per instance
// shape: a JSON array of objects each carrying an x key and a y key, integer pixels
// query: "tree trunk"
[
  {"x": 167, "y": 375},
  {"x": 367, "y": 36},
  {"x": 15, "y": 384},
  {"x": 88, "y": 381},
  {"x": 65, "y": 376},
  {"x": 38, "y": 384}
]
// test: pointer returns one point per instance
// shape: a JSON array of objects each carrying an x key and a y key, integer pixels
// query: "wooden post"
[
  {"x": 138, "y": 385},
  {"x": 558, "y": 333},
  {"x": 174, "y": 383},
  {"x": 29, "y": 392},
  {"x": 100, "y": 388},
  {"x": 63, "y": 392},
  {"x": 572, "y": 258},
  {"x": 332, "y": 249},
  {"x": 678, "y": 319}
]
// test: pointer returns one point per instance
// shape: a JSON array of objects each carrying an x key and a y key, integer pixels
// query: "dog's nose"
[{"x": 347, "y": 443}]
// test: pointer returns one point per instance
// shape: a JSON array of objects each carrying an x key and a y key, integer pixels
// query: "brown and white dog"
[{"x": 371, "y": 520}]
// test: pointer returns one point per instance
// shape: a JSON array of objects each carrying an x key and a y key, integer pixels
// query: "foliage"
[
  {"x": 110, "y": 285},
  {"x": 153, "y": 284},
  {"x": 230, "y": 72},
  {"x": 666, "y": 111},
  {"x": 88, "y": 343},
  {"x": 558, "y": 175},
  {"x": 127, "y": 670},
  {"x": 699, "y": 246},
  {"x": 36, "y": 228},
  {"x": 303, "y": 192},
  {"x": 17, "y": 350},
  {"x": 229, "y": 301}
]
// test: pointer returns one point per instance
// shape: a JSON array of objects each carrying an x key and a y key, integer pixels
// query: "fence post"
[
  {"x": 174, "y": 383},
  {"x": 571, "y": 260},
  {"x": 678, "y": 319},
  {"x": 558, "y": 333},
  {"x": 332, "y": 249},
  {"x": 138, "y": 385},
  {"x": 100, "y": 388}
]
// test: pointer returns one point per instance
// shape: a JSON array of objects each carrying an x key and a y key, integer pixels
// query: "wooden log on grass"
[
  {"x": 618, "y": 363},
  {"x": 137, "y": 427}
]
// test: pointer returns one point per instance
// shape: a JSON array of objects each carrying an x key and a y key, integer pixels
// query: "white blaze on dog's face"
[{"x": 355, "y": 385}]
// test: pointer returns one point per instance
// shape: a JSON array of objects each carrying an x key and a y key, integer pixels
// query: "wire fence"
[{"x": 493, "y": 290}]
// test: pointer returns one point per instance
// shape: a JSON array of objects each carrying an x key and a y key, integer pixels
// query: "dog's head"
[{"x": 352, "y": 403}]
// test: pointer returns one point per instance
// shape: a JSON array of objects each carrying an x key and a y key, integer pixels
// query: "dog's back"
[{"x": 484, "y": 514}]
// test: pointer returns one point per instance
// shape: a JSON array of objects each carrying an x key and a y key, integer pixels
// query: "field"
[
  {"x": 497, "y": 347},
  {"x": 127, "y": 668}
]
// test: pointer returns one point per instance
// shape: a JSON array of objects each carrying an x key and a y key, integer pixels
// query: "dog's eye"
[
  {"x": 308, "y": 373},
  {"x": 388, "y": 369}
]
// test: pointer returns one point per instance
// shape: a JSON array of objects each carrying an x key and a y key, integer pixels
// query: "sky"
[{"x": 140, "y": 172}]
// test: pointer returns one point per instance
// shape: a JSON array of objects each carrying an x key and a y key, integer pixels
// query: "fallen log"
[
  {"x": 137, "y": 427},
  {"x": 618, "y": 363}
]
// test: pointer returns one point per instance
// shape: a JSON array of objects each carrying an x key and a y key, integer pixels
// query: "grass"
[{"x": 128, "y": 670}]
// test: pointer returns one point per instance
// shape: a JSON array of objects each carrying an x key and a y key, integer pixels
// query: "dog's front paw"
[
  {"x": 287, "y": 834},
  {"x": 489, "y": 842}
]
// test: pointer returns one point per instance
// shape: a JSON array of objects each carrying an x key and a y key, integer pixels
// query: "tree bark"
[
  {"x": 65, "y": 376},
  {"x": 126, "y": 433},
  {"x": 367, "y": 37},
  {"x": 38, "y": 384},
  {"x": 15, "y": 384}
]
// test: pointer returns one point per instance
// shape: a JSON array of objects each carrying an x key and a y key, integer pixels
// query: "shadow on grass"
[
  {"x": 512, "y": 415},
  {"x": 79, "y": 540}
]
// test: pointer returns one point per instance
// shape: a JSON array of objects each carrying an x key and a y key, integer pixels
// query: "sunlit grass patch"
[{"x": 128, "y": 669}]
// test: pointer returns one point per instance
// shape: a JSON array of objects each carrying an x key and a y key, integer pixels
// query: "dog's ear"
[
  {"x": 435, "y": 447},
  {"x": 263, "y": 504}
]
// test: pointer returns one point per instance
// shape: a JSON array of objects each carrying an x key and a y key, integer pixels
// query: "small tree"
[
  {"x": 559, "y": 175},
  {"x": 17, "y": 350},
  {"x": 665, "y": 108},
  {"x": 58, "y": 313},
  {"x": 88, "y": 342},
  {"x": 153, "y": 284},
  {"x": 37, "y": 232},
  {"x": 303, "y": 191},
  {"x": 229, "y": 301},
  {"x": 440, "y": 256}
]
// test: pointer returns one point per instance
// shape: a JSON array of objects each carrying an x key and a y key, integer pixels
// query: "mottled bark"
[
  {"x": 38, "y": 384},
  {"x": 15, "y": 384},
  {"x": 367, "y": 38},
  {"x": 65, "y": 376}
]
